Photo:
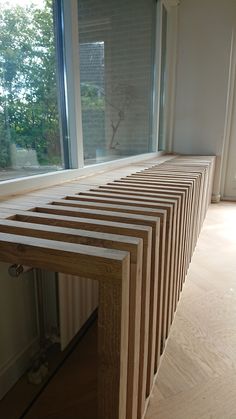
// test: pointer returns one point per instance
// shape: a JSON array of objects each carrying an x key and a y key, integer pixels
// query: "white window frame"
[
  {"x": 171, "y": 7},
  {"x": 71, "y": 36}
]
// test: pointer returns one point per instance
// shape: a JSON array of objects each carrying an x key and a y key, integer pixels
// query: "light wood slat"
[
  {"x": 164, "y": 174},
  {"x": 180, "y": 259},
  {"x": 196, "y": 180},
  {"x": 189, "y": 170},
  {"x": 160, "y": 211},
  {"x": 154, "y": 222},
  {"x": 201, "y": 214},
  {"x": 155, "y": 181},
  {"x": 153, "y": 177},
  {"x": 190, "y": 175},
  {"x": 175, "y": 242},
  {"x": 111, "y": 268},
  {"x": 151, "y": 213},
  {"x": 167, "y": 183},
  {"x": 141, "y": 192},
  {"x": 170, "y": 206},
  {"x": 195, "y": 186},
  {"x": 143, "y": 232},
  {"x": 150, "y": 209},
  {"x": 130, "y": 244},
  {"x": 204, "y": 184}
]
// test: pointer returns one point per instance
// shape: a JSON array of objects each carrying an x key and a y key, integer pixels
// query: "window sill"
[{"x": 26, "y": 184}]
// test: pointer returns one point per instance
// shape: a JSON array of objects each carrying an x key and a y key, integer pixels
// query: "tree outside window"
[{"x": 29, "y": 119}]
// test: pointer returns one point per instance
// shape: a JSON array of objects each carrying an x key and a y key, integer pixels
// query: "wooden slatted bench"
[{"x": 133, "y": 231}]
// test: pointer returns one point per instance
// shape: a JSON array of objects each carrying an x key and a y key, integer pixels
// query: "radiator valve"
[{"x": 16, "y": 270}]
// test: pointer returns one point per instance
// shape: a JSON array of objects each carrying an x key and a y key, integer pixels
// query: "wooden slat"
[
  {"x": 138, "y": 228},
  {"x": 155, "y": 182},
  {"x": 130, "y": 244},
  {"x": 155, "y": 203},
  {"x": 140, "y": 193},
  {"x": 161, "y": 211},
  {"x": 111, "y": 268},
  {"x": 154, "y": 222},
  {"x": 142, "y": 207},
  {"x": 140, "y": 231}
]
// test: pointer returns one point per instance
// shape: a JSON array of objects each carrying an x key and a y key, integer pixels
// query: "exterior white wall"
[{"x": 204, "y": 42}]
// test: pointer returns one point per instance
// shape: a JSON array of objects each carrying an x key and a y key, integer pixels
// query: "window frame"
[
  {"x": 70, "y": 32},
  {"x": 171, "y": 7}
]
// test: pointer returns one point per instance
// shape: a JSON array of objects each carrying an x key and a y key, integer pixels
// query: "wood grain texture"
[
  {"x": 164, "y": 213},
  {"x": 134, "y": 231},
  {"x": 141, "y": 193},
  {"x": 177, "y": 187},
  {"x": 102, "y": 265},
  {"x": 142, "y": 232},
  {"x": 130, "y": 244},
  {"x": 148, "y": 220},
  {"x": 165, "y": 251}
]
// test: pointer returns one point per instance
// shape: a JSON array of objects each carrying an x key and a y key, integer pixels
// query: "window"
[
  {"x": 92, "y": 79},
  {"x": 29, "y": 119},
  {"x": 116, "y": 75},
  {"x": 58, "y": 111}
]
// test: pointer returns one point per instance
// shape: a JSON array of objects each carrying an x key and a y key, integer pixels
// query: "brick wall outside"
[{"x": 127, "y": 30}]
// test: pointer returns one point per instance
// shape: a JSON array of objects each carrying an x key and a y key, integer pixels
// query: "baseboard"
[
  {"x": 229, "y": 198},
  {"x": 16, "y": 366},
  {"x": 216, "y": 198}
]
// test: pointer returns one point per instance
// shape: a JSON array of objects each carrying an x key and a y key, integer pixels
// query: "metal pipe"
[
  {"x": 16, "y": 270},
  {"x": 41, "y": 306}
]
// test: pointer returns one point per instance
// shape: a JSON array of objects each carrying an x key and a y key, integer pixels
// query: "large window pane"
[
  {"x": 116, "y": 72},
  {"x": 29, "y": 120}
]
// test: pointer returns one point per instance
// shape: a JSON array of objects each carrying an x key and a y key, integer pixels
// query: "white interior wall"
[
  {"x": 204, "y": 44},
  {"x": 18, "y": 326},
  {"x": 229, "y": 189}
]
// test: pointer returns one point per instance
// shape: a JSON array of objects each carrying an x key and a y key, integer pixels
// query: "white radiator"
[{"x": 78, "y": 298}]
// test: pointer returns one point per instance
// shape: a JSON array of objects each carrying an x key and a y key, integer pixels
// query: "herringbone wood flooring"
[{"x": 197, "y": 376}]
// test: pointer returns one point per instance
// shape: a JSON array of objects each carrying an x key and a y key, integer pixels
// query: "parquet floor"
[{"x": 197, "y": 376}]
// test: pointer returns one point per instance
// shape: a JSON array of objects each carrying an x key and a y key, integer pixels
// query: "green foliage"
[
  {"x": 28, "y": 99},
  {"x": 91, "y": 97},
  {"x": 4, "y": 150}
]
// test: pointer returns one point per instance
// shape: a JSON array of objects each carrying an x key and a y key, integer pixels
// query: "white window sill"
[{"x": 27, "y": 184}]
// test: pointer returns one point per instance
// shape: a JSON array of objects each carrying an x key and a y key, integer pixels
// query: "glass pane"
[
  {"x": 116, "y": 72},
  {"x": 29, "y": 121},
  {"x": 161, "y": 136}
]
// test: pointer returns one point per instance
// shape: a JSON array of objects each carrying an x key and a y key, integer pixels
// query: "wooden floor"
[
  {"x": 72, "y": 392},
  {"x": 197, "y": 376}
]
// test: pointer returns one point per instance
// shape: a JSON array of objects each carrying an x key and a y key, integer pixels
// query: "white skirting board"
[{"x": 78, "y": 298}]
